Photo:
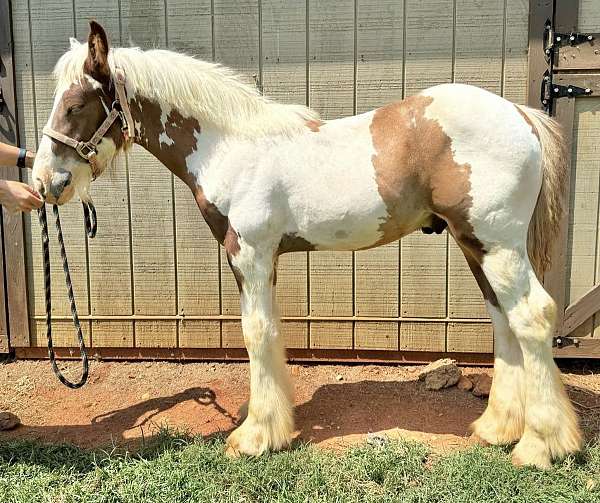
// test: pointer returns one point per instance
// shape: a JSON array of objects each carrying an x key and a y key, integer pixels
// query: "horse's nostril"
[
  {"x": 59, "y": 182},
  {"x": 68, "y": 180}
]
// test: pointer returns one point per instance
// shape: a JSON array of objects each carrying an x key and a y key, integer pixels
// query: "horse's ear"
[
  {"x": 74, "y": 43},
  {"x": 96, "y": 63}
]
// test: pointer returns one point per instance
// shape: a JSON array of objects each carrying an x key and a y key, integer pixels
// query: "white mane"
[{"x": 209, "y": 92}]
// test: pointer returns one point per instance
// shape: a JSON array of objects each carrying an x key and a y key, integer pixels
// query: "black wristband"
[{"x": 21, "y": 158}]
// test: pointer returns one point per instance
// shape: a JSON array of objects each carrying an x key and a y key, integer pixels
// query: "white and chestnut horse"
[{"x": 272, "y": 178}]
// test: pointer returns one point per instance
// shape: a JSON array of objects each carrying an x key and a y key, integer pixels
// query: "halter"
[{"x": 88, "y": 150}]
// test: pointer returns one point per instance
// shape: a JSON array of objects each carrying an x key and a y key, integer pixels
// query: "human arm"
[
  {"x": 17, "y": 196},
  {"x": 9, "y": 156}
]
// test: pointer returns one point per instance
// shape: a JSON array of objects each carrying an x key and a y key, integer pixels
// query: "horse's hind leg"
[
  {"x": 551, "y": 429},
  {"x": 269, "y": 423},
  {"x": 503, "y": 420}
]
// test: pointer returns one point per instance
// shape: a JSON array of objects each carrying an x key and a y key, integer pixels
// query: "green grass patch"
[{"x": 174, "y": 468}]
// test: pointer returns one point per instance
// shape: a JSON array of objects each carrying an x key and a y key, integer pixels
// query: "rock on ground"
[
  {"x": 465, "y": 384},
  {"x": 8, "y": 421},
  {"x": 482, "y": 386},
  {"x": 440, "y": 374}
]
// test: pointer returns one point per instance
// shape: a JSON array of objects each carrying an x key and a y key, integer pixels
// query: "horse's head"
[{"x": 72, "y": 151}]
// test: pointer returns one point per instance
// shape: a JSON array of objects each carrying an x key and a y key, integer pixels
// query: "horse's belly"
[
  {"x": 354, "y": 223},
  {"x": 351, "y": 230}
]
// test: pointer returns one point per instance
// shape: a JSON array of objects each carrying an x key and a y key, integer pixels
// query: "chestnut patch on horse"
[
  {"x": 292, "y": 243},
  {"x": 414, "y": 163},
  {"x": 79, "y": 114},
  {"x": 178, "y": 128},
  {"x": 314, "y": 125},
  {"x": 219, "y": 224}
]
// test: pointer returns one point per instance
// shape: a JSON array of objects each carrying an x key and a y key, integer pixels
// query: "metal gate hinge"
[
  {"x": 563, "y": 342},
  {"x": 552, "y": 39},
  {"x": 552, "y": 91}
]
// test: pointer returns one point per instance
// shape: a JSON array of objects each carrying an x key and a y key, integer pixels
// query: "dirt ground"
[{"x": 336, "y": 405}]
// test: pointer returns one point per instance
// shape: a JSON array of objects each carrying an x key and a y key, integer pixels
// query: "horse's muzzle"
[{"x": 59, "y": 182}]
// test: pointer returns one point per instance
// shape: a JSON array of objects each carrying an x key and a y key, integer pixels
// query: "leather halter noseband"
[{"x": 88, "y": 150}]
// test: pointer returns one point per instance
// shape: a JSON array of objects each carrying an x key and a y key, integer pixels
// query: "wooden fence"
[{"x": 155, "y": 278}]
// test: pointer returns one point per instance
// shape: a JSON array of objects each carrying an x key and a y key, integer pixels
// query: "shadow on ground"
[{"x": 333, "y": 411}]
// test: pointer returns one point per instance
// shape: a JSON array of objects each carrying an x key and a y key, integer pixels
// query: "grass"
[{"x": 176, "y": 468}]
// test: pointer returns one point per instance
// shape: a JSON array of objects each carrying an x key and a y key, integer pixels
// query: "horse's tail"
[{"x": 549, "y": 209}]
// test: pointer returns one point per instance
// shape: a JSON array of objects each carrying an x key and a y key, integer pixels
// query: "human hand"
[{"x": 17, "y": 196}]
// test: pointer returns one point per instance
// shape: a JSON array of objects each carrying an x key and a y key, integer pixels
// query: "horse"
[{"x": 273, "y": 178}]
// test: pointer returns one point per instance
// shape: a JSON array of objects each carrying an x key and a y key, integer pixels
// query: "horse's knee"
[
  {"x": 532, "y": 318},
  {"x": 530, "y": 310},
  {"x": 260, "y": 333}
]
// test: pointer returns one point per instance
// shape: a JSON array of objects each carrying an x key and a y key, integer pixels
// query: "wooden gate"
[{"x": 565, "y": 50}]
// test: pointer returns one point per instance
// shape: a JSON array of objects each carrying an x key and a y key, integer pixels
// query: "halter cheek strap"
[
  {"x": 126, "y": 119},
  {"x": 88, "y": 150}
]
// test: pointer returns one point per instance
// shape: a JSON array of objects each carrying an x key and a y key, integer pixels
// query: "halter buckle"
[
  {"x": 124, "y": 125},
  {"x": 116, "y": 105},
  {"x": 86, "y": 150}
]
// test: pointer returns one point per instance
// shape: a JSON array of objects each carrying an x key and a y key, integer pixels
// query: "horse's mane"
[{"x": 207, "y": 91}]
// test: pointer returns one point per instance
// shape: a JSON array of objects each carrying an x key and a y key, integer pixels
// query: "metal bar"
[
  {"x": 225, "y": 317},
  {"x": 14, "y": 243},
  {"x": 361, "y": 356}
]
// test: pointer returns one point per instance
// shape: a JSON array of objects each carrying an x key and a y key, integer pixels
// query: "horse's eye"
[{"x": 74, "y": 109}]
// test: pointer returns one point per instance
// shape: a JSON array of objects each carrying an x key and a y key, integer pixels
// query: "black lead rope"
[
  {"x": 90, "y": 226},
  {"x": 89, "y": 213}
]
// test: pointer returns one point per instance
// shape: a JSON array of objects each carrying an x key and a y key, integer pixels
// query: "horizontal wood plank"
[
  {"x": 585, "y": 56},
  {"x": 416, "y": 336},
  {"x": 376, "y": 335},
  {"x": 471, "y": 338}
]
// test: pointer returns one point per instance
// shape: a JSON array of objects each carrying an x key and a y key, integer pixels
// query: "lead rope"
[{"x": 91, "y": 226}]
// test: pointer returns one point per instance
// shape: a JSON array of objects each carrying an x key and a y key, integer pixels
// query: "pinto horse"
[{"x": 271, "y": 178}]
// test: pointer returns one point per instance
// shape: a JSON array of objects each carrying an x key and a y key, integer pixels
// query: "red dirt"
[{"x": 124, "y": 402}]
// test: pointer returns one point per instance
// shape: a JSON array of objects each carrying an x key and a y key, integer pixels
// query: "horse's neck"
[{"x": 171, "y": 137}]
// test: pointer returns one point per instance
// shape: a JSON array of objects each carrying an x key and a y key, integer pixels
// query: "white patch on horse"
[
  {"x": 166, "y": 139},
  {"x": 311, "y": 185},
  {"x": 93, "y": 82}
]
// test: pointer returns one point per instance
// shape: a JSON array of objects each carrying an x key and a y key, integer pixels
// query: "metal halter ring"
[{"x": 86, "y": 151}]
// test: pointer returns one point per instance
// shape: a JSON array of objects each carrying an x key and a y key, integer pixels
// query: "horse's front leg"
[{"x": 269, "y": 424}]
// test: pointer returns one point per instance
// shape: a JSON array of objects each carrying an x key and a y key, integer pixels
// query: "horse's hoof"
[
  {"x": 232, "y": 452},
  {"x": 477, "y": 440},
  {"x": 531, "y": 451}
]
